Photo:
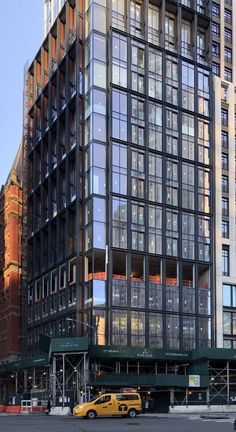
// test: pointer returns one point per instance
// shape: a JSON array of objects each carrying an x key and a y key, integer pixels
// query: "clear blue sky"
[{"x": 21, "y": 33}]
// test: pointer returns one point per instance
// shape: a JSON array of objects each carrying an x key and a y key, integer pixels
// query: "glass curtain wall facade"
[
  {"x": 120, "y": 175},
  {"x": 51, "y": 10}
]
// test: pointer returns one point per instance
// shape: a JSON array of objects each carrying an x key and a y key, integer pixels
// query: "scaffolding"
[{"x": 69, "y": 378}]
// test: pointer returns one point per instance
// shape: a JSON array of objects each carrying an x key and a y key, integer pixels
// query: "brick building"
[{"x": 10, "y": 264}]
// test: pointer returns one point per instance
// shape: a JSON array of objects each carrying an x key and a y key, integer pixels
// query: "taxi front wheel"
[
  {"x": 132, "y": 413},
  {"x": 91, "y": 414}
]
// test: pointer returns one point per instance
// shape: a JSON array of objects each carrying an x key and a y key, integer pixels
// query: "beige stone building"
[{"x": 224, "y": 83}]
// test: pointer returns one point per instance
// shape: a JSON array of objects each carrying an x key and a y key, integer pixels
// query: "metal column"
[
  {"x": 16, "y": 383},
  {"x": 54, "y": 377},
  {"x": 85, "y": 381},
  {"x": 63, "y": 380},
  {"x": 227, "y": 375}
]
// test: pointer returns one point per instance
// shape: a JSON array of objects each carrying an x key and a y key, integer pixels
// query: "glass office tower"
[
  {"x": 51, "y": 11},
  {"x": 120, "y": 176}
]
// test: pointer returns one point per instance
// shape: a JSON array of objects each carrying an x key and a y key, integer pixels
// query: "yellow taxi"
[{"x": 111, "y": 404}]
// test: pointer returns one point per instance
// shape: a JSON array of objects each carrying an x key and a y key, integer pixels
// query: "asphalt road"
[{"x": 37, "y": 423}]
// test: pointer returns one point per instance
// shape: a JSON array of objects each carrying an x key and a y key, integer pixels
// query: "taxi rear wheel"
[
  {"x": 132, "y": 413},
  {"x": 91, "y": 414}
]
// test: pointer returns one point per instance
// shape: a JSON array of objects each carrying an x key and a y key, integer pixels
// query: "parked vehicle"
[{"x": 111, "y": 404}]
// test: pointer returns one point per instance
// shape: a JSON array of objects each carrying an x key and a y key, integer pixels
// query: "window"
[
  {"x": 224, "y": 117},
  {"x": 170, "y": 32},
  {"x": 154, "y": 230},
  {"x": 37, "y": 291},
  {"x": 215, "y": 10},
  {"x": 171, "y": 81},
  {"x": 215, "y": 49},
  {"x": 119, "y": 115},
  {"x": 201, "y": 45},
  {"x": 216, "y": 69},
  {"x": 99, "y": 293},
  {"x": 137, "y": 174},
  {"x": 119, "y": 327},
  {"x": 119, "y": 279},
  {"x": 216, "y": 29},
  {"x": 172, "y": 182},
  {"x": 137, "y": 294},
  {"x": 119, "y": 60},
  {"x": 118, "y": 14},
  {"x": 172, "y": 331},
  {"x": 119, "y": 223},
  {"x": 204, "y": 190},
  {"x": 45, "y": 292},
  {"x": 225, "y": 229},
  {"x": 188, "y": 86},
  {"x": 72, "y": 271},
  {"x": 227, "y": 324},
  {"x": 155, "y": 74},
  {"x": 203, "y": 238},
  {"x": 225, "y": 260},
  {"x": 153, "y": 24},
  {"x": 204, "y": 332},
  {"x": 203, "y": 92},
  {"x": 172, "y": 230},
  {"x": 137, "y": 121},
  {"x": 137, "y": 328},
  {"x": 62, "y": 276},
  {"x": 186, "y": 45},
  {"x": 228, "y": 55},
  {"x": 227, "y": 298},
  {"x": 126, "y": 397},
  {"x": 228, "y": 16},
  {"x": 188, "y": 239},
  {"x": 188, "y": 186},
  {"x": 225, "y": 206},
  {"x": 228, "y": 74},
  {"x": 225, "y": 184},
  {"x": 155, "y": 126},
  {"x": 155, "y": 178},
  {"x": 224, "y": 162},
  {"x": 119, "y": 168},
  {"x": 137, "y": 67},
  {"x": 155, "y": 330},
  {"x": 228, "y": 35},
  {"x": 103, "y": 399},
  {"x": 201, "y": 6},
  {"x": 135, "y": 18},
  {"x": 187, "y": 136},
  {"x": 137, "y": 227},
  {"x": 203, "y": 142},
  {"x": 53, "y": 281},
  {"x": 224, "y": 136},
  {"x": 189, "y": 335}
]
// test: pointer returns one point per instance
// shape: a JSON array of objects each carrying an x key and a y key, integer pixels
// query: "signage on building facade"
[
  {"x": 194, "y": 381},
  {"x": 144, "y": 354}
]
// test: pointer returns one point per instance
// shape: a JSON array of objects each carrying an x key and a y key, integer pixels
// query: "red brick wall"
[{"x": 10, "y": 269}]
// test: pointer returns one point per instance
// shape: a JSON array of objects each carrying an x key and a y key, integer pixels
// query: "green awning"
[
  {"x": 138, "y": 353},
  {"x": 24, "y": 364},
  {"x": 63, "y": 345}
]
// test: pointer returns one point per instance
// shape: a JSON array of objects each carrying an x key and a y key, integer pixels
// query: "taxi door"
[
  {"x": 121, "y": 405},
  {"x": 104, "y": 406}
]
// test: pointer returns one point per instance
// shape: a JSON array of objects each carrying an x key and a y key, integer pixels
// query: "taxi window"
[
  {"x": 125, "y": 397},
  {"x": 103, "y": 399}
]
